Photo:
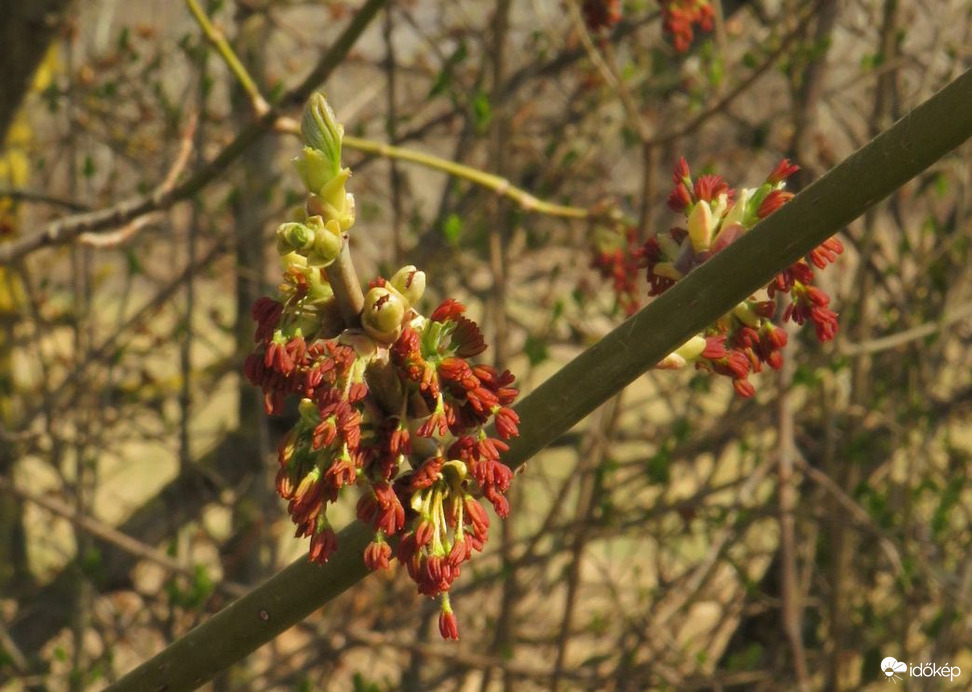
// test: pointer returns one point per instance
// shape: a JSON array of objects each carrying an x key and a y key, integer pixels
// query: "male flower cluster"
[
  {"x": 389, "y": 402},
  {"x": 680, "y": 16},
  {"x": 746, "y": 339}
]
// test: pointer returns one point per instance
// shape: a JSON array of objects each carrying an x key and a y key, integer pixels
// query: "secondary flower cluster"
[
  {"x": 680, "y": 16},
  {"x": 748, "y": 338}
]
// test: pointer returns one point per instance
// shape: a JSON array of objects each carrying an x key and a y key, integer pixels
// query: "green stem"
[
  {"x": 910, "y": 146},
  {"x": 216, "y": 37},
  {"x": 501, "y": 186}
]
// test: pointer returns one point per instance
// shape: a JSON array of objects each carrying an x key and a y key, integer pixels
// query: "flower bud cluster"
[
  {"x": 679, "y": 17},
  {"x": 397, "y": 409},
  {"x": 391, "y": 404},
  {"x": 747, "y": 338}
]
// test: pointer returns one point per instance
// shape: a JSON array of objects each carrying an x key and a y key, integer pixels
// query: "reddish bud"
[{"x": 448, "y": 627}]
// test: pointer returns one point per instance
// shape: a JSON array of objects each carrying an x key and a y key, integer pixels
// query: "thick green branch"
[{"x": 824, "y": 208}]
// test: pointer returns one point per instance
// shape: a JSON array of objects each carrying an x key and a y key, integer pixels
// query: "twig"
[
  {"x": 597, "y": 447},
  {"x": 858, "y": 513},
  {"x": 501, "y": 186},
  {"x": 10, "y": 648},
  {"x": 102, "y": 241},
  {"x": 226, "y": 52},
  {"x": 111, "y": 535},
  {"x": 886, "y": 343},
  {"x": 24, "y": 195},
  {"x": 791, "y": 609},
  {"x": 468, "y": 659}
]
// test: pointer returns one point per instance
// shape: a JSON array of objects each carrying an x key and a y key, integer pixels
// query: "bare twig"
[
  {"x": 107, "y": 533},
  {"x": 886, "y": 343},
  {"x": 24, "y": 195},
  {"x": 226, "y": 52}
]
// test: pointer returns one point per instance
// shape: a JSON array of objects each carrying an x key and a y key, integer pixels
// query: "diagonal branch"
[{"x": 915, "y": 142}]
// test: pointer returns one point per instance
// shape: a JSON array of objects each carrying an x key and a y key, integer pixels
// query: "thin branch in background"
[
  {"x": 226, "y": 52},
  {"x": 499, "y": 236},
  {"x": 391, "y": 132},
  {"x": 24, "y": 195},
  {"x": 791, "y": 608},
  {"x": 109, "y": 534},
  {"x": 592, "y": 456},
  {"x": 891, "y": 341}
]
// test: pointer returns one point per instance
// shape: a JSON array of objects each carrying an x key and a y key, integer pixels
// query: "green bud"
[
  {"x": 293, "y": 236},
  {"x": 327, "y": 242},
  {"x": 314, "y": 169},
  {"x": 692, "y": 349},
  {"x": 738, "y": 212},
  {"x": 687, "y": 353},
  {"x": 383, "y": 313},
  {"x": 745, "y": 314},
  {"x": 668, "y": 270},
  {"x": 454, "y": 472},
  {"x": 333, "y": 201},
  {"x": 669, "y": 247},
  {"x": 308, "y": 412},
  {"x": 410, "y": 282},
  {"x": 321, "y": 131},
  {"x": 318, "y": 288}
]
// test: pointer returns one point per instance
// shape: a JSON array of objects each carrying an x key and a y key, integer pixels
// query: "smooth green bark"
[{"x": 910, "y": 146}]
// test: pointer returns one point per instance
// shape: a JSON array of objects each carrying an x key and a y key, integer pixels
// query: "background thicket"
[{"x": 679, "y": 538}]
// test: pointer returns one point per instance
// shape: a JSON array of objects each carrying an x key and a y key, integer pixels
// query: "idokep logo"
[{"x": 893, "y": 669}]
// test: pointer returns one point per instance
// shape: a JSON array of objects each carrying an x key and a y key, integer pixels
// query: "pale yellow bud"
[
  {"x": 701, "y": 226},
  {"x": 327, "y": 242},
  {"x": 410, "y": 282},
  {"x": 383, "y": 313}
]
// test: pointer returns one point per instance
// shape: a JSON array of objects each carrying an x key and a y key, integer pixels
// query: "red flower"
[
  {"x": 449, "y": 310},
  {"x": 773, "y": 201},
  {"x": 322, "y": 545},
  {"x": 377, "y": 555},
  {"x": 784, "y": 169}
]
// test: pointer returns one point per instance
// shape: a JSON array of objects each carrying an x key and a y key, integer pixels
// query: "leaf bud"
[
  {"x": 294, "y": 237},
  {"x": 320, "y": 131}
]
